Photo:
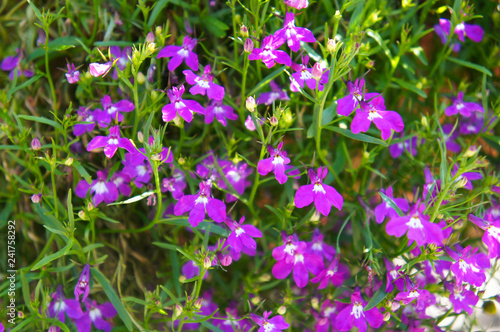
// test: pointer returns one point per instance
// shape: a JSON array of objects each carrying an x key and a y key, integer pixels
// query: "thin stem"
[
  {"x": 54, "y": 192},
  {"x": 51, "y": 83}
]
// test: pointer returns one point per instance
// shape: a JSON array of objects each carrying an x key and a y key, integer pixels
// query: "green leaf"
[
  {"x": 113, "y": 297},
  {"x": 71, "y": 216},
  {"x": 470, "y": 65},
  {"x": 159, "y": 5},
  {"x": 211, "y": 327},
  {"x": 378, "y": 297},
  {"x": 134, "y": 199},
  {"x": 411, "y": 87},
  {"x": 166, "y": 246},
  {"x": 50, "y": 222},
  {"x": 266, "y": 80},
  {"x": 83, "y": 172},
  {"x": 14, "y": 88},
  {"x": 92, "y": 246},
  {"x": 216, "y": 27},
  {"x": 105, "y": 217},
  {"x": 46, "y": 260},
  {"x": 359, "y": 137},
  {"x": 57, "y": 45},
  {"x": 391, "y": 204},
  {"x": 113, "y": 43},
  {"x": 41, "y": 120}
]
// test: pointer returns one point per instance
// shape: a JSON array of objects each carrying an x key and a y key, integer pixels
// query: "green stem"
[
  {"x": 51, "y": 83},
  {"x": 54, "y": 192},
  {"x": 235, "y": 44},
  {"x": 158, "y": 193},
  {"x": 137, "y": 109}
]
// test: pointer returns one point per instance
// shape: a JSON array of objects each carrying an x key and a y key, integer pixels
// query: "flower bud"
[
  {"x": 244, "y": 31},
  {"x": 250, "y": 104},
  {"x": 248, "y": 46},
  {"x": 158, "y": 30},
  {"x": 395, "y": 305},
  {"x": 35, "y": 144},
  {"x": 178, "y": 120},
  {"x": 52, "y": 329},
  {"x": 387, "y": 316},
  {"x": 331, "y": 45},
  {"x": 207, "y": 263},
  {"x": 273, "y": 121},
  {"x": 140, "y": 137},
  {"x": 315, "y": 217},
  {"x": 337, "y": 15},
  {"x": 150, "y": 38},
  {"x": 151, "y": 200},
  {"x": 82, "y": 215},
  {"x": 282, "y": 310},
  {"x": 471, "y": 152},
  {"x": 177, "y": 312},
  {"x": 20, "y": 314},
  {"x": 424, "y": 121},
  {"x": 151, "y": 73},
  {"x": 90, "y": 206},
  {"x": 315, "y": 303},
  {"x": 36, "y": 198},
  {"x": 197, "y": 304},
  {"x": 68, "y": 162},
  {"x": 141, "y": 79},
  {"x": 461, "y": 183},
  {"x": 255, "y": 300},
  {"x": 316, "y": 71},
  {"x": 154, "y": 95}
]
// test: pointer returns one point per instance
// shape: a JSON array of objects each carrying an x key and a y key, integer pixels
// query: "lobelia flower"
[
  {"x": 374, "y": 111},
  {"x": 175, "y": 184},
  {"x": 121, "y": 57},
  {"x": 138, "y": 168},
  {"x": 232, "y": 322},
  {"x": 190, "y": 270},
  {"x": 303, "y": 75},
  {"x": 112, "y": 112},
  {"x": 444, "y": 37},
  {"x": 464, "y": 108},
  {"x": 236, "y": 174},
  {"x": 277, "y": 93},
  {"x": 86, "y": 115},
  {"x": 181, "y": 53},
  {"x": 250, "y": 125},
  {"x": 297, "y": 4},
  {"x": 450, "y": 135},
  {"x": 394, "y": 277},
  {"x": 111, "y": 143},
  {"x": 323, "y": 196},
  {"x": 327, "y": 317},
  {"x": 384, "y": 209},
  {"x": 462, "y": 300},
  {"x": 73, "y": 75},
  {"x": 60, "y": 307},
  {"x": 472, "y": 31},
  {"x": 429, "y": 183},
  {"x": 276, "y": 162},
  {"x": 13, "y": 65},
  {"x": 347, "y": 104},
  {"x": 473, "y": 125},
  {"x": 300, "y": 262},
  {"x": 204, "y": 84},
  {"x": 417, "y": 226},
  {"x": 410, "y": 145},
  {"x": 122, "y": 182},
  {"x": 220, "y": 112},
  {"x": 469, "y": 176},
  {"x": 269, "y": 53},
  {"x": 241, "y": 237},
  {"x": 336, "y": 273},
  {"x": 180, "y": 107},
  {"x": 100, "y": 69},
  {"x": 408, "y": 297},
  {"x": 82, "y": 286},
  {"x": 101, "y": 188},
  {"x": 292, "y": 35},
  {"x": 275, "y": 324},
  {"x": 469, "y": 265},
  {"x": 200, "y": 204},
  {"x": 287, "y": 250},
  {"x": 96, "y": 315},
  {"x": 319, "y": 248},
  {"x": 355, "y": 315}
]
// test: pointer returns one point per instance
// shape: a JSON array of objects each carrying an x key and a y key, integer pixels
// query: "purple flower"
[
  {"x": 233, "y": 322},
  {"x": 181, "y": 53},
  {"x": 444, "y": 37},
  {"x": 277, "y": 93},
  {"x": 190, "y": 270},
  {"x": 300, "y": 262},
  {"x": 101, "y": 188},
  {"x": 275, "y": 324},
  {"x": 408, "y": 297},
  {"x": 221, "y": 113},
  {"x": 61, "y": 306},
  {"x": 122, "y": 182},
  {"x": 336, "y": 273},
  {"x": 417, "y": 226},
  {"x": 96, "y": 315},
  {"x": 374, "y": 111},
  {"x": 323, "y": 196},
  {"x": 269, "y": 53},
  {"x": 86, "y": 115},
  {"x": 275, "y": 163},
  {"x": 122, "y": 57},
  {"x": 200, "y": 204},
  {"x": 241, "y": 237},
  {"x": 13, "y": 64},
  {"x": 450, "y": 138},
  {"x": 292, "y": 35},
  {"x": 469, "y": 266},
  {"x": 297, "y": 4},
  {"x": 472, "y": 125},
  {"x": 429, "y": 182},
  {"x": 178, "y": 106},
  {"x": 384, "y": 209},
  {"x": 473, "y": 31},
  {"x": 250, "y": 125},
  {"x": 111, "y": 143},
  {"x": 287, "y": 250},
  {"x": 327, "y": 317},
  {"x": 469, "y": 176},
  {"x": 355, "y": 315},
  {"x": 203, "y": 84},
  {"x": 237, "y": 175},
  {"x": 82, "y": 286},
  {"x": 175, "y": 184},
  {"x": 347, "y": 104},
  {"x": 491, "y": 236},
  {"x": 303, "y": 75},
  {"x": 100, "y": 69},
  {"x": 319, "y": 248},
  {"x": 464, "y": 108},
  {"x": 463, "y": 301},
  {"x": 410, "y": 145},
  {"x": 113, "y": 112},
  {"x": 73, "y": 75},
  {"x": 394, "y": 277}
]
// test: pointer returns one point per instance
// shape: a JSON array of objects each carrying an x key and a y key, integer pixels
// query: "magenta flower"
[
  {"x": 336, "y": 273},
  {"x": 96, "y": 314},
  {"x": 297, "y": 4},
  {"x": 122, "y": 56},
  {"x": 300, "y": 262},
  {"x": 472, "y": 31},
  {"x": 180, "y": 107},
  {"x": 175, "y": 184},
  {"x": 181, "y": 53},
  {"x": 473, "y": 125},
  {"x": 374, "y": 111},
  {"x": 408, "y": 297},
  {"x": 292, "y": 35},
  {"x": 464, "y": 108},
  {"x": 287, "y": 250},
  {"x": 410, "y": 145},
  {"x": 394, "y": 277},
  {"x": 275, "y": 324},
  {"x": 220, "y": 112},
  {"x": 347, "y": 104},
  {"x": 450, "y": 138},
  {"x": 444, "y": 37},
  {"x": 322, "y": 195},
  {"x": 60, "y": 307},
  {"x": 13, "y": 64},
  {"x": 327, "y": 316},
  {"x": 469, "y": 265},
  {"x": 73, "y": 75},
  {"x": 203, "y": 84},
  {"x": 250, "y": 125},
  {"x": 199, "y": 205},
  {"x": 275, "y": 163},
  {"x": 384, "y": 209},
  {"x": 277, "y": 93},
  {"x": 355, "y": 315},
  {"x": 233, "y": 322},
  {"x": 319, "y": 248},
  {"x": 241, "y": 237},
  {"x": 269, "y": 53},
  {"x": 112, "y": 112},
  {"x": 100, "y": 188},
  {"x": 237, "y": 175},
  {"x": 417, "y": 226},
  {"x": 122, "y": 182},
  {"x": 463, "y": 301},
  {"x": 469, "y": 176},
  {"x": 138, "y": 168},
  {"x": 303, "y": 75},
  {"x": 82, "y": 286},
  {"x": 86, "y": 115},
  {"x": 100, "y": 69},
  {"x": 111, "y": 143}
]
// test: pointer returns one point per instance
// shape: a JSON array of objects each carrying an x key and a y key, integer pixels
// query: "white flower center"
[
  {"x": 183, "y": 53},
  {"x": 218, "y": 110},
  {"x": 459, "y": 297},
  {"x": 374, "y": 115},
  {"x": 299, "y": 258},
  {"x": 239, "y": 231},
  {"x": 113, "y": 141},
  {"x": 268, "y": 327},
  {"x": 318, "y": 188},
  {"x": 460, "y": 27},
  {"x": 277, "y": 160},
  {"x": 413, "y": 294},
  {"x": 111, "y": 110},
  {"x": 494, "y": 232},
  {"x": 179, "y": 104},
  {"x": 201, "y": 199},
  {"x": 460, "y": 106},
  {"x": 328, "y": 311},
  {"x": 141, "y": 170},
  {"x": 357, "y": 310},
  {"x": 305, "y": 75},
  {"x": 235, "y": 176},
  {"x": 394, "y": 274},
  {"x": 318, "y": 246},
  {"x": 60, "y": 306},
  {"x": 290, "y": 248},
  {"x": 94, "y": 314},
  {"x": 415, "y": 222},
  {"x": 100, "y": 188},
  {"x": 268, "y": 54},
  {"x": 203, "y": 83}
]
